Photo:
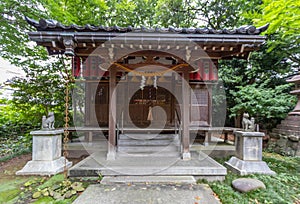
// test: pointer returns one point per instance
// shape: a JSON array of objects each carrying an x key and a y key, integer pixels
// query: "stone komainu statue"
[
  {"x": 48, "y": 123},
  {"x": 248, "y": 125}
]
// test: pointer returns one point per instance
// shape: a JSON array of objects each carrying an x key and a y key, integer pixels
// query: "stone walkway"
[{"x": 147, "y": 194}]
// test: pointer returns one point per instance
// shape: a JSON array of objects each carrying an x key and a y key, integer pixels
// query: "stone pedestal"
[
  {"x": 248, "y": 158},
  {"x": 46, "y": 154}
]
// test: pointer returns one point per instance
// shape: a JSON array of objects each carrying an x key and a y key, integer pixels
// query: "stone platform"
[
  {"x": 200, "y": 166},
  {"x": 46, "y": 154},
  {"x": 147, "y": 193}
]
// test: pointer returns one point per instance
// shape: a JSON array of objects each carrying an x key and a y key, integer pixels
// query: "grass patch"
[
  {"x": 10, "y": 190},
  {"x": 52, "y": 181},
  {"x": 15, "y": 154},
  {"x": 6, "y": 196},
  {"x": 282, "y": 188},
  {"x": 50, "y": 200},
  {"x": 11, "y": 147}
]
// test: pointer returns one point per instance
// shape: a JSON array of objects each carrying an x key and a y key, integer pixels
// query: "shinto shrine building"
[{"x": 148, "y": 89}]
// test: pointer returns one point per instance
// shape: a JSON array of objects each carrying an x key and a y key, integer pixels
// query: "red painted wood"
[
  {"x": 205, "y": 67},
  {"x": 76, "y": 66},
  {"x": 213, "y": 75},
  {"x": 85, "y": 68}
]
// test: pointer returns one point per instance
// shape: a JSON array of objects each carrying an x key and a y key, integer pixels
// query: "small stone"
[
  {"x": 36, "y": 195},
  {"x": 68, "y": 194},
  {"x": 294, "y": 138},
  {"x": 245, "y": 185}
]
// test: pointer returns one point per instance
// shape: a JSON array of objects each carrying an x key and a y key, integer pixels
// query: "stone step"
[
  {"x": 201, "y": 165},
  {"x": 293, "y": 117},
  {"x": 147, "y": 142},
  {"x": 288, "y": 122},
  {"x": 131, "y": 136},
  {"x": 148, "y": 179},
  {"x": 148, "y": 129},
  {"x": 145, "y": 149},
  {"x": 289, "y": 127},
  {"x": 285, "y": 132},
  {"x": 149, "y": 154}
]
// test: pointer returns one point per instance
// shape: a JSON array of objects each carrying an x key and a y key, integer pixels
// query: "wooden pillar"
[
  {"x": 186, "y": 155},
  {"x": 210, "y": 96},
  {"x": 111, "y": 154}
]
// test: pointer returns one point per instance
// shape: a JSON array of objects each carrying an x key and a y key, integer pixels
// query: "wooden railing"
[{"x": 178, "y": 127}]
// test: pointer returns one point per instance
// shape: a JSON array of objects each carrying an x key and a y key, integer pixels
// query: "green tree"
[
  {"x": 40, "y": 91},
  {"x": 284, "y": 29},
  {"x": 175, "y": 13},
  {"x": 43, "y": 86}
]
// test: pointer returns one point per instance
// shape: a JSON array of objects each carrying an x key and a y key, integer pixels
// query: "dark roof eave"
[
  {"x": 53, "y": 25},
  {"x": 46, "y": 36}
]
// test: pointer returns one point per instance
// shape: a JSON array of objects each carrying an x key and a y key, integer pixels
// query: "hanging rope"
[{"x": 150, "y": 74}]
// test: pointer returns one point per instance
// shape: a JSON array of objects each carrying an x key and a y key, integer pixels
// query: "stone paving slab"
[
  {"x": 148, "y": 179},
  {"x": 148, "y": 194}
]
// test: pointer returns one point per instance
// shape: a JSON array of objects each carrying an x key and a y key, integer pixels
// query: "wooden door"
[
  {"x": 142, "y": 100},
  {"x": 200, "y": 106},
  {"x": 97, "y": 97}
]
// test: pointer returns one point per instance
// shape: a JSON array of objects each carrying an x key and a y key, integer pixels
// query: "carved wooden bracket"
[{"x": 69, "y": 44}]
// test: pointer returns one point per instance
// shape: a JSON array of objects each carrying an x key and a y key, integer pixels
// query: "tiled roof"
[{"x": 53, "y": 25}]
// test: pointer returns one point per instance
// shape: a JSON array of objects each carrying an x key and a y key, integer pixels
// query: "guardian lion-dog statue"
[
  {"x": 48, "y": 123},
  {"x": 247, "y": 124}
]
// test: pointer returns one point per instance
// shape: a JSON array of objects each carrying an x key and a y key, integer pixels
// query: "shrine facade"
[{"x": 130, "y": 72}]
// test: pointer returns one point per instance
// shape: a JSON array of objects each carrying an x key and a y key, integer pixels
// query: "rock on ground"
[{"x": 245, "y": 185}]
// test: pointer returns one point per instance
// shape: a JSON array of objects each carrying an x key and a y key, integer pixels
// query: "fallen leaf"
[
  {"x": 36, "y": 195},
  {"x": 197, "y": 198}
]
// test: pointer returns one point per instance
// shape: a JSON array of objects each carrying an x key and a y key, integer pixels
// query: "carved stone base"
[
  {"x": 242, "y": 167},
  {"x": 45, "y": 167}
]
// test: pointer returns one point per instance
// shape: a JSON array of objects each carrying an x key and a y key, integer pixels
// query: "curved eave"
[
  {"x": 53, "y": 25},
  {"x": 43, "y": 36},
  {"x": 218, "y": 46},
  {"x": 294, "y": 79}
]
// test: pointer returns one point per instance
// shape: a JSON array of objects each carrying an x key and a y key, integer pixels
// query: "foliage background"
[{"x": 256, "y": 85}]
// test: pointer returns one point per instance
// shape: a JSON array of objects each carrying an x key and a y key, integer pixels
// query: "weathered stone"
[
  {"x": 297, "y": 154},
  {"x": 46, "y": 154},
  {"x": 249, "y": 145},
  {"x": 200, "y": 165},
  {"x": 294, "y": 138},
  {"x": 147, "y": 193},
  {"x": 245, "y": 185},
  {"x": 288, "y": 135},
  {"x": 289, "y": 151},
  {"x": 281, "y": 143},
  {"x": 148, "y": 179},
  {"x": 242, "y": 167},
  {"x": 248, "y": 158}
]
